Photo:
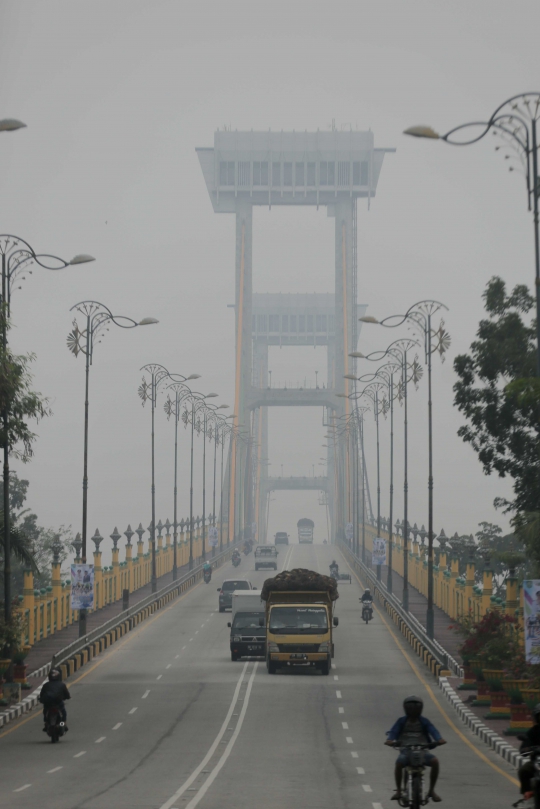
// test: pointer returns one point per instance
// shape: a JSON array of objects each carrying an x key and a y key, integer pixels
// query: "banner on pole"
[
  {"x": 531, "y": 617},
  {"x": 349, "y": 531},
  {"x": 378, "y": 554},
  {"x": 82, "y": 587},
  {"x": 213, "y": 536}
]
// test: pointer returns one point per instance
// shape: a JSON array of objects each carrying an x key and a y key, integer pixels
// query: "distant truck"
[
  {"x": 248, "y": 638},
  {"x": 299, "y": 618},
  {"x": 281, "y": 538},
  {"x": 305, "y": 530}
]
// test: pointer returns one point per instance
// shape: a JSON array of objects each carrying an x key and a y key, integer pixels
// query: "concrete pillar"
[
  {"x": 512, "y": 600},
  {"x": 129, "y": 566},
  {"x": 487, "y": 591},
  {"x": 469, "y": 584},
  {"x": 98, "y": 581}
]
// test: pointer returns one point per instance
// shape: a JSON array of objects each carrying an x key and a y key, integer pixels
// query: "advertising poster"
[
  {"x": 213, "y": 536},
  {"x": 378, "y": 555},
  {"x": 349, "y": 531},
  {"x": 531, "y": 618},
  {"x": 82, "y": 587}
]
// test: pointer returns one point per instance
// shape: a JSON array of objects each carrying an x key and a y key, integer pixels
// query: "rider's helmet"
[
  {"x": 413, "y": 706},
  {"x": 367, "y": 591},
  {"x": 55, "y": 676},
  {"x": 333, "y": 563}
]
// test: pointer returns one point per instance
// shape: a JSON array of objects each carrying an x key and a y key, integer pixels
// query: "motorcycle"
[
  {"x": 248, "y": 545},
  {"x": 54, "y": 725},
  {"x": 207, "y": 575},
  {"x": 531, "y": 800},
  {"x": 334, "y": 573},
  {"x": 236, "y": 560},
  {"x": 412, "y": 794},
  {"x": 367, "y": 611}
]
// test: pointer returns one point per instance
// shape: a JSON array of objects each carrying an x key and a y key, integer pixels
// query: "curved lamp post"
[
  {"x": 212, "y": 431},
  {"x": 419, "y": 316},
  {"x": 172, "y": 408},
  {"x": 81, "y": 341},
  {"x": 410, "y": 372},
  {"x": 515, "y": 121},
  {"x": 11, "y": 124},
  {"x": 17, "y": 258}
]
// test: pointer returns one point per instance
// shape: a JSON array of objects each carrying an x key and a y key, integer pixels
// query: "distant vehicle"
[
  {"x": 281, "y": 538},
  {"x": 227, "y": 589},
  {"x": 248, "y": 637},
  {"x": 266, "y": 556},
  {"x": 305, "y": 530}
]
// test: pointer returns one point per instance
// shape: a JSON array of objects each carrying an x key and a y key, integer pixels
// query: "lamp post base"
[
  {"x": 430, "y": 623},
  {"x": 154, "y": 585},
  {"x": 174, "y": 572},
  {"x": 405, "y": 600},
  {"x": 82, "y": 623}
]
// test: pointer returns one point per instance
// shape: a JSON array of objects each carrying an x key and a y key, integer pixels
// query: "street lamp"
[
  {"x": 419, "y": 315},
  {"x": 98, "y": 319},
  {"x": 172, "y": 408},
  {"x": 11, "y": 124},
  {"x": 17, "y": 257},
  {"x": 213, "y": 434},
  {"x": 515, "y": 122}
]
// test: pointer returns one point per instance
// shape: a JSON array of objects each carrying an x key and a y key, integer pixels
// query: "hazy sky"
[{"x": 118, "y": 93}]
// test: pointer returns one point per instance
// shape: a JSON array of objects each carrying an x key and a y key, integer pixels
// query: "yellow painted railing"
[
  {"x": 48, "y": 610},
  {"x": 456, "y": 595}
]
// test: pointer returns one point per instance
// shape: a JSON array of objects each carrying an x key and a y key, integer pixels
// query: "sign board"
[
  {"x": 349, "y": 531},
  {"x": 82, "y": 587},
  {"x": 213, "y": 535},
  {"x": 531, "y": 619},
  {"x": 378, "y": 554}
]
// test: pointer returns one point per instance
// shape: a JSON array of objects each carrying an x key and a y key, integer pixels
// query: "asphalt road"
[{"x": 164, "y": 720}]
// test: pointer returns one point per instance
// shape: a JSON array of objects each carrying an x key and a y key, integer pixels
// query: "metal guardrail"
[
  {"x": 433, "y": 646},
  {"x": 97, "y": 633}
]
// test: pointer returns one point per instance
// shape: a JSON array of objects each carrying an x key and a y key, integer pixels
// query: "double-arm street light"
[
  {"x": 515, "y": 122},
  {"x": 172, "y": 408},
  {"x": 11, "y": 124},
  {"x": 197, "y": 402},
  {"x": 209, "y": 412},
  {"x": 17, "y": 258},
  {"x": 213, "y": 435},
  {"x": 419, "y": 316},
  {"x": 98, "y": 320}
]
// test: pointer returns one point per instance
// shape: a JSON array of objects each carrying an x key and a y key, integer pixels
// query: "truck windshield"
[
  {"x": 247, "y": 620},
  {"x": 298, "y": 620}
]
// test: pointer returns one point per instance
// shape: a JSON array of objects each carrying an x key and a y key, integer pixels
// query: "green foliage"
[
  {"x": 19, "y": 402},
  {"x": 497, "y": 395},
  {"x": 493, "y": 641},
  {"x": 12, "y": 631}
]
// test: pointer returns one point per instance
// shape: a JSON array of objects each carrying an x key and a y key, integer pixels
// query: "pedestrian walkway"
[
  {"x": 42, "y": 652},
  {"x": 448, "y": 638}
]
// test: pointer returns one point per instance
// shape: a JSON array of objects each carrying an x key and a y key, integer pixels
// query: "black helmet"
[
  {"x": 54, "y": 675},
  {"x": 413, "y": 705}
]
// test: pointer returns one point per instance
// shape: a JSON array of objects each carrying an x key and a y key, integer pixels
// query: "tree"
[{"x": 499, "y": 397}]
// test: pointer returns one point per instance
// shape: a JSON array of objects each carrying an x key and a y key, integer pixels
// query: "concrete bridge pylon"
[{"x": 332, "y": 169}]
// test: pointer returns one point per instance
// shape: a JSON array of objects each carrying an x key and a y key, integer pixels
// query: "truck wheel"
[
  {"x": 234, "y": 657},
  {"x": 272, "y": 667},
  {"x": 325, "y": 667}
]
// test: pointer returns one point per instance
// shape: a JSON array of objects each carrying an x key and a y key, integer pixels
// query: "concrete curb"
[
  {"x": 26, "y": 705},
  {"x": 496, "y": 742}
]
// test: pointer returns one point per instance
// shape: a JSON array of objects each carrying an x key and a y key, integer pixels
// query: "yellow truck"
[{"x": 299, "y": 621}]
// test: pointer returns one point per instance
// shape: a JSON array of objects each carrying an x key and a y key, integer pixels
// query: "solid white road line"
[
  {"x": 101, "y": 739},
  {"x": 20, "y": 789},
  {"x": 226, "y": 753},
  {"x": 195, "y": 774},
  {"x": 54, "y": 769},
  {"x": 118, "y": 725},
  {"x": 78, "y": 755},
  {"x": 366, "y": 788},
  {"x": 133, "y": 710},
  {"x": 145, "y": 694}
]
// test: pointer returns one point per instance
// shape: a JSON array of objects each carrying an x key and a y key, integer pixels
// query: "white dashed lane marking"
[
  {"x": 377, "y": 805},
  {"x": 348, "y": 739},
  {"x": 54, "y": 769},
  {"x": 168, "y": 666},
  {"x": 78, "y": 755},
  {"x": 145, "y": 694},
  {"x": 341, "y": 710},
  {"x": 118, "y": 725},
  {"x": 345, "y": 726},
  {"x": 336, "y": 677},
  {"x": 20, "y": 789},
  {"x": 360, "y": 771},
  {"x": 159, "y": 676},
  {"x": 101, "y": 739},
  {"x": 354, "y": 755},
  {"x": 133, "y": 710},
  {"x": 366, "y": 788},
  {"x": 338, "y": 694}
]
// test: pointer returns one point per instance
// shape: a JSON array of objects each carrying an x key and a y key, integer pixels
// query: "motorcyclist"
[
  {"x": 411, "y": 729},
  {"x": 366, "y": 596},
  {"x": 334, "y": 567},
  {"x": 530, "y": 739},
  {"x": 207, "y": 566},
  {"x": 52, "y": 695}
]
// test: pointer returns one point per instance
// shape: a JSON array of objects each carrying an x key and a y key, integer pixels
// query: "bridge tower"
[{"x": 332, "y": 169}]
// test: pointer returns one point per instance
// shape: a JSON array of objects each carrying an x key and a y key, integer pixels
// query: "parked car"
[
  {"x": 227, "y": 589},
  {"x": 281, "y": 538},
  {"x": 266, "y": 556}
]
